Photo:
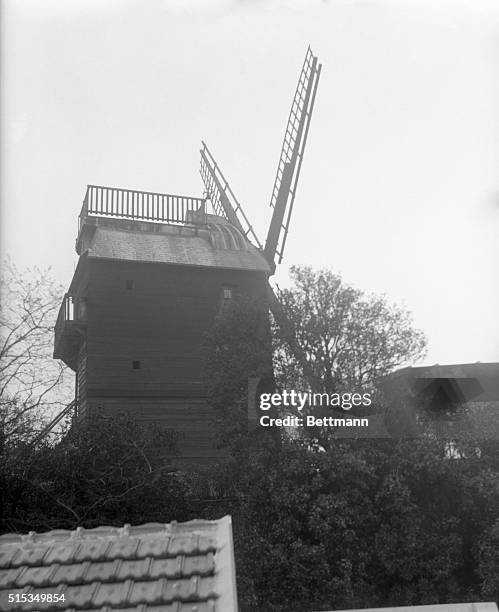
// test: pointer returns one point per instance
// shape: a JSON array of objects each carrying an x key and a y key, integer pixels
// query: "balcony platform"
[{"x": 69, "y": 330}]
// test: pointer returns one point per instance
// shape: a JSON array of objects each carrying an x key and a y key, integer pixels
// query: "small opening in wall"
[
  {"x": 228, "y": 292},
  {"x": 129, "y": 285},
  {"x": 136, "y": 365}
]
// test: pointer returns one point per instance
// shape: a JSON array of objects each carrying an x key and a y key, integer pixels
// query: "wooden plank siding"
[
  {"x": 191, "y": 418},
  {"x": 157, "y": 315},
  {"x": 81, "y": 388}
]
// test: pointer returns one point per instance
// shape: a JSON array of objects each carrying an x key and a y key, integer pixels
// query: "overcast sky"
[{"x": 399, "y": 189}]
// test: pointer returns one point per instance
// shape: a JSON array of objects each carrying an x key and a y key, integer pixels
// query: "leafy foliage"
[
  {"x": 349, "y": 338},
  {"x": 110, "y": 472},
  {"x": 367, "y": 523},
  {"x": 370, "y": 523},
  {"x": 237, "y": 347}
]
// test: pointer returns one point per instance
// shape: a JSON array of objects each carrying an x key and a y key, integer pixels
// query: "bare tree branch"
[{"x": 33, "y": 386}]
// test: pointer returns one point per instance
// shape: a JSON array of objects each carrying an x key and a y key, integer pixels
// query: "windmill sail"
[
  {"x": 288, "y": 169},
  {"x": 223, "y": 200},
  {"x": 288, "y": 333},
  {"x": 225, "y": 203}
]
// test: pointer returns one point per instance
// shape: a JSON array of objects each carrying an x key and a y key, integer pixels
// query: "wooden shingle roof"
[
  {"x": 174, "y": 567},
  {"x": 215, "y": 245}
]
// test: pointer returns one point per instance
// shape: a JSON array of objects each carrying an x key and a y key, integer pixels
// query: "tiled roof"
[
  {"x": 175, "y": 567},
  {"x": 217, "y": 245}
]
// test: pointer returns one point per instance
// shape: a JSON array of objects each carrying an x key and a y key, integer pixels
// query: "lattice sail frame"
[
  {"x": 223, "y": 200},
  {"x": 290, "y": 160}
]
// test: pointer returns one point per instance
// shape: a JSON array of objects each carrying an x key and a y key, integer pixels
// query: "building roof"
[
  {"x": 217, "y": 244},
  {"x": 174, "y": 567},
  {"x": 478, "y": 381},
  {"x": 472, "y": 386}
]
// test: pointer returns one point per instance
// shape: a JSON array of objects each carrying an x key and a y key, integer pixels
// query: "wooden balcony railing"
[
  {"x": 141, "y": 205},
  {"x": 67, "y": 311},
  {"x": 69, "y": 328}
]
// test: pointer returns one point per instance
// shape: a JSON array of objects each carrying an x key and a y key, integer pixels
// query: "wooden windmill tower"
[{"x": 153, "y": 271}]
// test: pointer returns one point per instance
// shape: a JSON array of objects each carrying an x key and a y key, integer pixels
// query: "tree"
[
  {"x": 371, "y": 523},
  {"x": 33, "y": 385},
  {"x": 238, "y": 347},
  {"x": 325, "y": 530},
  {"x": 489, "y": 564},
  {"x": 111, "y": 471},
  {"x": 349, "y": 338}
]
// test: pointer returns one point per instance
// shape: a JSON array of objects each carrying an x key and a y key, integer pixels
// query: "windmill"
[
  {"x": 154, "y": 270},
  {"x": 226, "y": 204}
]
